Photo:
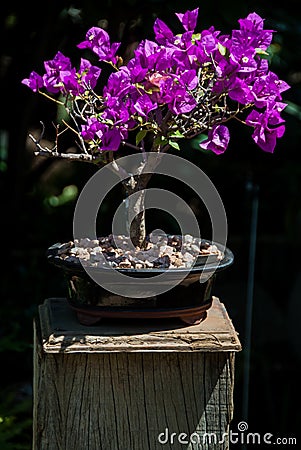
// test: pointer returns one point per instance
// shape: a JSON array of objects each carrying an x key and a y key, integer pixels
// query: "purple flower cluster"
[{"x": 178, "y": 86}]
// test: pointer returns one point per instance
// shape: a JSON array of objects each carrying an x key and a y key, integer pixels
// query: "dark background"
[{"x": 38, "y": 197}]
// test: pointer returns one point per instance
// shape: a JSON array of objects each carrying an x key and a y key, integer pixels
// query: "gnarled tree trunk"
[{"x": 135, "y": 195}]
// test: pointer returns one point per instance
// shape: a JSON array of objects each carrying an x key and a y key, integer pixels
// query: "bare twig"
[{"x": 45, "y": 151}]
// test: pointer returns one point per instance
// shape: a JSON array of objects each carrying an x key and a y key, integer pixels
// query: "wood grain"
[
  {"x": 61, "y": 332},
  {"x": 125, "y": 400}
]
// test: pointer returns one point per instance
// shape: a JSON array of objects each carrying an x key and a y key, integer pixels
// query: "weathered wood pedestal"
[{"x": 132, "y": 385}]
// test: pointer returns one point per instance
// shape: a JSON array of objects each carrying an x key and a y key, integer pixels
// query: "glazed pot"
[{"x": 187, "y": 300}]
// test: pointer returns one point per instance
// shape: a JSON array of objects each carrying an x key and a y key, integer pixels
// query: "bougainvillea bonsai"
[{"x": 176, "y": 87}]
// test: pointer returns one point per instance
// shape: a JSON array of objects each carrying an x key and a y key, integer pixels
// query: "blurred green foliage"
[{"x": 15, "y": 420}]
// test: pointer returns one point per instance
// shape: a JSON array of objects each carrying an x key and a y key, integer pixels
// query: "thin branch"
[
  {"x": 123, "y": 174},
  {"x": 45, "y": 151},
  {"x": 51, "y": 98},
  {"x": 71, "y": 156},
  {"x": 127, "y": 144},
  {"x": 69, "y": 126}
]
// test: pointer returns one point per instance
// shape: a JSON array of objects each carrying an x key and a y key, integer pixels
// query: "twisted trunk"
[{"x": 135, "y": 195}]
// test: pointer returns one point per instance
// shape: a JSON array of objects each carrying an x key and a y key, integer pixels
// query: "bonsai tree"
[{"x": 176, "y": 87}]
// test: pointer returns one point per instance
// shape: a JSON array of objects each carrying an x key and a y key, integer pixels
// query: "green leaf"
[
  {"x": 195, "y": 143},
  {"x": 195, "y": 37},
  {"x": 176, "y": 134},
  {"x": 174, "y": 145},
  {"x": 293, "y": 109},
  {"x": 161, "y": 140},
  {"x": 140, "y": 135},
  {"x": 260, "y": 51},
  {"x": 222, "y": 49},
  {"x": 62, "y": 110}
]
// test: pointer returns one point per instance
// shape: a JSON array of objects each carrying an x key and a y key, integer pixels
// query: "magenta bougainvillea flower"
[
  {"x": 176, "y": 87},
  {"x": 218, "y": 139}
]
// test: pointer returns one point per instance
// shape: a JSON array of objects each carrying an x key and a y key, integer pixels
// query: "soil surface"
[{"x": 172, "y": 251}]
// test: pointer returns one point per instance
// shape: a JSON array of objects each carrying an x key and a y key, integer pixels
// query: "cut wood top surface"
[{"x": 62, "y": 333}]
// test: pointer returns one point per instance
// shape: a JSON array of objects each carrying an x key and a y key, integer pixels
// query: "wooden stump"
[{"x": 128, "y": 385}]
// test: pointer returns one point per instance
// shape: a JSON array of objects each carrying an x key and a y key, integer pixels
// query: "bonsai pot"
[{"x": 188, "y": 300}]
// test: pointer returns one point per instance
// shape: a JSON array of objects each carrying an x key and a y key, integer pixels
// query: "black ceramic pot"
[{"x": 188, "y": 300}]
